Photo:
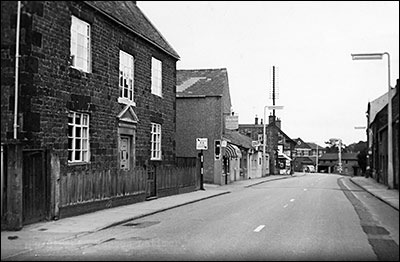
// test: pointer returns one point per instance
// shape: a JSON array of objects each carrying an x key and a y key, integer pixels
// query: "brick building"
[
  {"x": 95, "y": 107},
  {"x": 377, "y": 138},
  {"x": 329, "y": 163},
  {"x": 279, "y": 146},
  {"x": 203, "y": 101}
]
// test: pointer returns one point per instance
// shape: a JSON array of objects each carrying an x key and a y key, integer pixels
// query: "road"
[{"x": 312, "y": 217}]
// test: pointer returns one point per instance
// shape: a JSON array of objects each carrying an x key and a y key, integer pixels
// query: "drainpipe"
[{"x": 16, "y": 70}]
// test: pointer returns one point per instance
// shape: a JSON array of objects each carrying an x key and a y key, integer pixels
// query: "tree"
[
  {"x": 333, "y": 146},
  {"x": 360, "y": 148}
]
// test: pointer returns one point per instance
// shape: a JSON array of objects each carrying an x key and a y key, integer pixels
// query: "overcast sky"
[{"x": 324, "y": 93}]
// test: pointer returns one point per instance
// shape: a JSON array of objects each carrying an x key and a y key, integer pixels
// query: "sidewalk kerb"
[
  {"x": 375, "y": 195},
  {"x": 157, "y": 211},
  {"x": 278, "y": 178}
]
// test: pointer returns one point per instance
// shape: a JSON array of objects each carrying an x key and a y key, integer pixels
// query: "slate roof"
[
  {"x": 334, "y": 156},
  {"x": 208, "y": 82},
  {"x": 288, "y": 139},
  {"x": 304, "y": 160},
  {"x": 302, "y": 144},
  {"x": 238, "y": 139},
  {"x": 130, "y": 15}
]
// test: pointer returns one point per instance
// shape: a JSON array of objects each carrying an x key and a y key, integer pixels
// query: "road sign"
[{"x": 201, "y": 143}]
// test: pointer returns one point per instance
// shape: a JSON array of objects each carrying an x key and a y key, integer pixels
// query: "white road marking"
[
  {"x": 285, "y": 206},
  {"x": 291, "y": 200},
  {"x": 259, "y": 228}
]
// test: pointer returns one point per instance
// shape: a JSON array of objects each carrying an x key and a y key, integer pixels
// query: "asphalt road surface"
[{"x": 312, "y": 217}]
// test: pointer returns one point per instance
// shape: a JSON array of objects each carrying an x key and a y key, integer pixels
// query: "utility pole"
[
  {"x": 273, "y": 93},
  {"x": 340, "y": 156}
]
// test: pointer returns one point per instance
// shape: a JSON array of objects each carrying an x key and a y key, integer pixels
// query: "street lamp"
[{"x": 375, "y": 56}]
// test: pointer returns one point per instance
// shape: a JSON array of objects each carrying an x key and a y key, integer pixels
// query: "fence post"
[{"x": 14, "y": 186}]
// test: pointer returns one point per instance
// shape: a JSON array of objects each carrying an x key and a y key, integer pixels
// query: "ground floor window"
[
  {"x": 78, "y": 137},
  {"x": 155, "y": 141}
]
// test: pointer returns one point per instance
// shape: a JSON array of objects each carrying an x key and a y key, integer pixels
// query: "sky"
[{"x": 324, "y": 93}]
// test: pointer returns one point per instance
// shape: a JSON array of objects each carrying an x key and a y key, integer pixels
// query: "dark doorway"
[{"x": 35, "y": 187}]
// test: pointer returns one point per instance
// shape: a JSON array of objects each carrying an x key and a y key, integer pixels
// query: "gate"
[
  {"x": 151, "y": 188},
  {"x": 35, "y": 186}
]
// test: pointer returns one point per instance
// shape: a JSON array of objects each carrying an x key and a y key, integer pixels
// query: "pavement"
[{"x": 35, "y": 235}]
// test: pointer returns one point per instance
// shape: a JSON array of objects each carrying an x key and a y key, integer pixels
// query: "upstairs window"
[
  {"x": 126, "y": 76},
  {"x": 80, "y": 44},
  {"x": 156, "y": 79},
  {"x": 78, "y": 137},
  {"x": 155, "y": 141}
]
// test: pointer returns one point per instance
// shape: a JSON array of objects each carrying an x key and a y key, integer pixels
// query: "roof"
[
  {"x": 209, "y": 82},
  {"x": 303, "y": 159},
  {"x": 130, "y": 15},
  {"x": 335, "y": 156},
  {"x": 238, "y": 139},
  {"x": 204, "y": 82},
  {"x": 378, "y": 104},
  {"x": 288, "y": 139},
  {"x": 301, "y": 144}
]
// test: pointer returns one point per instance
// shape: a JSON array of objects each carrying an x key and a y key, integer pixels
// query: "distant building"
[
  {"x": 329, "y": 163},
  {"x": 279, "y": 146},
  {"x": 203, "y": 103}
]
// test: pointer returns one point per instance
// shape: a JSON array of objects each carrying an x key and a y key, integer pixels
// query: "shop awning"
[
  {"x": 282, "y": 155},
  {"x": 232, "y": 151}
]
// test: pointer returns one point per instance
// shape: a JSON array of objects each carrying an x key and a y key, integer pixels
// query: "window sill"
[
  {"x": 78, "y": 163},
  {"x": 126, "y": 101}
]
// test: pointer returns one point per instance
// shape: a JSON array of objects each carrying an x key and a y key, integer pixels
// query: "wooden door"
[{"x": 35, "y": 187}]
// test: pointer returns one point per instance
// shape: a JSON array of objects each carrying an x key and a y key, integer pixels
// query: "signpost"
[{"x": 201, "y": 144}]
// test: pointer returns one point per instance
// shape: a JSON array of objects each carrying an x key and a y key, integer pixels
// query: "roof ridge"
[{"x": 203, "y": 69}]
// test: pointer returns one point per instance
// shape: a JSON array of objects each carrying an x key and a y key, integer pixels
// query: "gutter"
[{"x": 16, "y": 70}]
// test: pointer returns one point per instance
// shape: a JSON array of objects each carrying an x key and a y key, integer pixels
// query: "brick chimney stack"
[
  {"x": 256, "y": 120},
  {"x": 278, "y": 123},
  {"x": 270, "y": 119}
]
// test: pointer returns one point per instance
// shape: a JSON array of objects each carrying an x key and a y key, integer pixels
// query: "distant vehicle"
[{"x": 309, "y": 169}]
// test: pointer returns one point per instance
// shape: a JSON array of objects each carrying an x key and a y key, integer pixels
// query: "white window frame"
[
  {"x": 80, "y": 44},
  {"x": 126, "y": 80},
  {"x": 78, "y": 138},
  {"x": 156, "y": 77},
  {"x": 155, "y": 153}
]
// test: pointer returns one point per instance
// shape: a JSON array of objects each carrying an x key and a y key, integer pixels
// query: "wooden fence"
[
  {"x": 89, "y": 186},
  {"x": 176, "y": 178}
]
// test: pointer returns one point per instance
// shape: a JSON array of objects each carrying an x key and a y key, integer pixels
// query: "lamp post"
[
  {"x": 264, "y": 142},
  {"x": 375, "y": 56}
]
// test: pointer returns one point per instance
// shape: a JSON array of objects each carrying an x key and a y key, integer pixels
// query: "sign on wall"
[{"x": 232, "y": 122}]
